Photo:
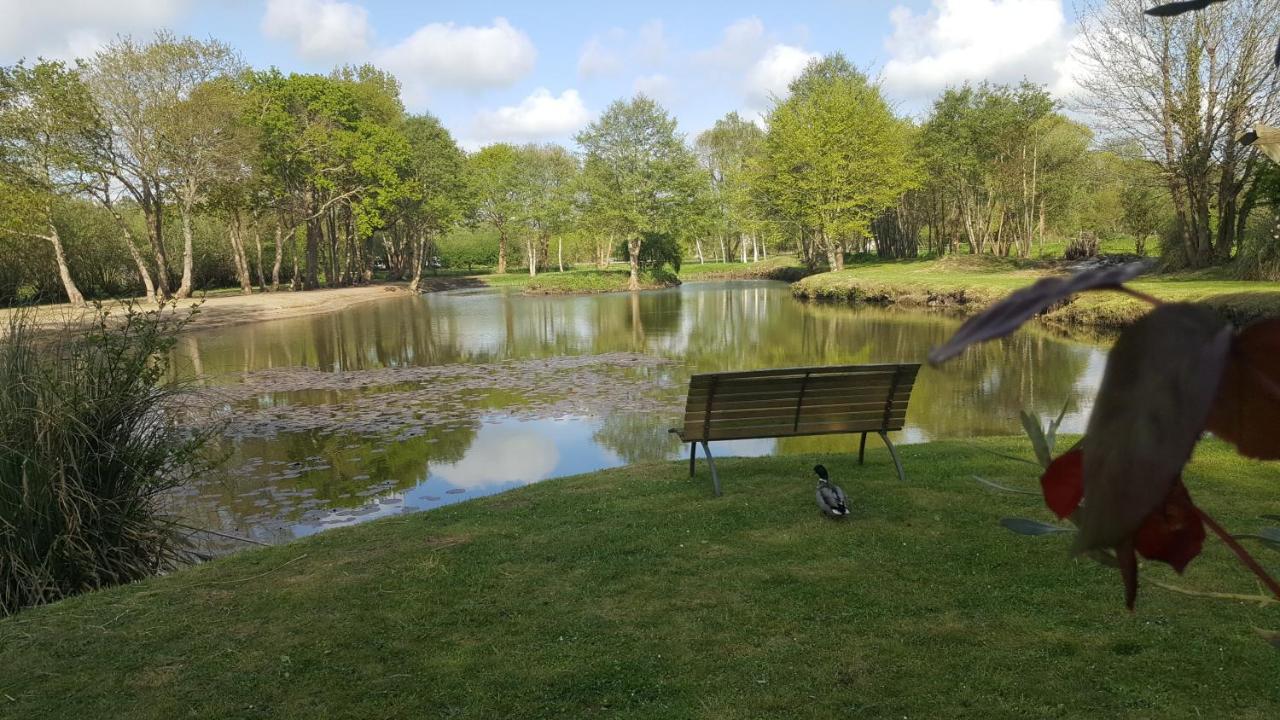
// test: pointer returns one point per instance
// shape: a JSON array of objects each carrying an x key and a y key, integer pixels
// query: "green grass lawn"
[
  {"x": 634, "y": 593},
  {"x": 971, "y": 283}
]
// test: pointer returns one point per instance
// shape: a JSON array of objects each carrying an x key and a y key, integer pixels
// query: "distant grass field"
[{"x": 633, "y": 593}]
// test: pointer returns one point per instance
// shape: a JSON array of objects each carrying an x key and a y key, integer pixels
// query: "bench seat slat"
[
  {"x": 789, "y": 411},
  {"x": 787, "y": 431},
  {"x": 778, "y": 427},
  {"x": 700, "y": 399}
]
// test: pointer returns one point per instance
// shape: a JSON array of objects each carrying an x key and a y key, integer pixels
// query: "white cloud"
[
  {"x": 462, "y": 56},
  {"x": 772, "y": 73},
  {"x": 741, "y": 44},
  {"x": 540, "y": 116},
  {"x": 599, "y": 56},
  {"x": 974, "y": 40},
  {"x": 617, "y": 50},
  {"x": 651, "y": 43},
  {"x": 657, "y": 86},
  {"x": 754, "y": 62},
  {"x": 320, "y": 30},
  {"x": 502, "y": 455},
  {"x": 66, "y": 29}
]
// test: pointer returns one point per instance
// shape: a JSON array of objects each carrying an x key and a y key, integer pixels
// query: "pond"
[{"x": 410, "y": 403}]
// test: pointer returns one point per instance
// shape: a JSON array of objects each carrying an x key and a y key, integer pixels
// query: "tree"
[
  {"x": 438, "y": 193},
  {"x": 1183, "y": 89},
  {"x": 638, "y": 175},
  {"x": 319, "y": 154},
  {"x": 495, "y": 176},
  {"x": 140, "y": 90},
  {"x": 47, "y": 126},
  {"x": 547, "y": 199},
  {"x": 835, "y": 155},
  {"x": 728, "y": 150},
  {"x": 205, "y": 145}
]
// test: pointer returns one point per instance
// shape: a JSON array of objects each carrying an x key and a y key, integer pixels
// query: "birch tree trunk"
[
  {"x": 74, "y": 296},
  {"x": 188, "y": 261},
  {"x": 257, "y": 243},
  {"x": 633, "y": 246},
  {"x": 279, "y": 260}
]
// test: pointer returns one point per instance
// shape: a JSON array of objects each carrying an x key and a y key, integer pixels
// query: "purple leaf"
[
  {"x": 1177, "y": 8},
  {"x": 1159, "y": 385},
  {"x": 1010, "y": 313}
]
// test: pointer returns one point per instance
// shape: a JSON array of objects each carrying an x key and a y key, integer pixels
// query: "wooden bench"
[{"x": 790, "y": 402}]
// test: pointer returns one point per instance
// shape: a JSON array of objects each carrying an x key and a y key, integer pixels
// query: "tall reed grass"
[{"x": 88, "y": 446}]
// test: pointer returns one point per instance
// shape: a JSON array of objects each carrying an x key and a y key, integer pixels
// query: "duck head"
[{"x": 821, "y": 470}]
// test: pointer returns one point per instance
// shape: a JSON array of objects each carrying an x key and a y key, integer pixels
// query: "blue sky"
[{"x": 521, "y": 71}]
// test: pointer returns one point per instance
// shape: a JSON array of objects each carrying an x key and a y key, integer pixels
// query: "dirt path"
[{"x": 226, "y": 310}]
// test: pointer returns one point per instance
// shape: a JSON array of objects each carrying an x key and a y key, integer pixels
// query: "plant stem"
[
  {"x": 1241, "y": 553},
  {"x": 1259, "y": 599}
]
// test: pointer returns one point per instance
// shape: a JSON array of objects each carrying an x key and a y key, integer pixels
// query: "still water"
[{"x": 410, "y": 403}]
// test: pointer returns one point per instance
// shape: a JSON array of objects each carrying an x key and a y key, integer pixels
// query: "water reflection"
[{"x": 289, "y": 483}]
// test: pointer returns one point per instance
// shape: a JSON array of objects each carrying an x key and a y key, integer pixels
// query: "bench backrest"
[{"x": 798, "y": 401}]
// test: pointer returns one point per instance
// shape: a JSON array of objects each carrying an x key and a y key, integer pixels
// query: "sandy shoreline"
[{"x": 227, "y": 310}]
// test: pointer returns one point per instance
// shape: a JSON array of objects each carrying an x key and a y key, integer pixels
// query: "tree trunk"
[
  {"x": 633, "y": 248},
  {"x": 74, "y": 296},
  {"x": 279, "y": 260},
  {"x": 143, "y": 272},
  {"x": 502, "y": 251},
  {"x": 153, "y": 214},
  {"x": 560, "y": 252},
  {"x": 314, "y": 230},
  {"x": 257, "y": 243},
  {"x": 419, "y": 249},
  {"x": 531, "y": 251},
  {"x": 236, "y": 238},
  {"x": 188, "y": 258}
]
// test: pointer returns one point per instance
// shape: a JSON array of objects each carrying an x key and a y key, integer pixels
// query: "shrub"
[
  {"x": 656, "y": 250},
  {"x": 1082, "y": 247},
  {"x": 89, "y": 446}
]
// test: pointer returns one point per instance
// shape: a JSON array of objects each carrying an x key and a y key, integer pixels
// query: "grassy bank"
[
  {"x": 968, "y": 284},
  {"x": 634, "y": 593},
  {"x": 780, "y": 267},
  {"x": 583, "y": 281}
]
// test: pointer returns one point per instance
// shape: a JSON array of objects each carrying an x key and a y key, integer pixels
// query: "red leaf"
[
  {"x": 1063, "y": 483},
  {"x": 1246, "y": 411},
  {"x": 1008, "y": 315},
  {"x": 1173, "y": 532}
]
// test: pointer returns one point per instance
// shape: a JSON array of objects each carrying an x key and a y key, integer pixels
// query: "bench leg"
[
  {"x": 715, "y": 479},
  {"x": 862, "y": 448},
  {"x": 693, "y": 456},
  {"x": 894, "y": 453}
]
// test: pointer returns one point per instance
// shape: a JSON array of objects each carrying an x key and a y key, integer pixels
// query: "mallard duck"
[{"x": 831, "y": 499}]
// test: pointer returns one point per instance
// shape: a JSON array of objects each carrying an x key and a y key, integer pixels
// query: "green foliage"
[
  {"x": 656, "y": 250},
  {"x": 469, "y": 248},
  {"x": 835, "y": 156},
  {"x": 88, "y": 449},
  {"x": 638, "y": 177}
]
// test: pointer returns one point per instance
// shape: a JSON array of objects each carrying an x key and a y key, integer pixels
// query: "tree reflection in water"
[{"x": 700, "y": 327}]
